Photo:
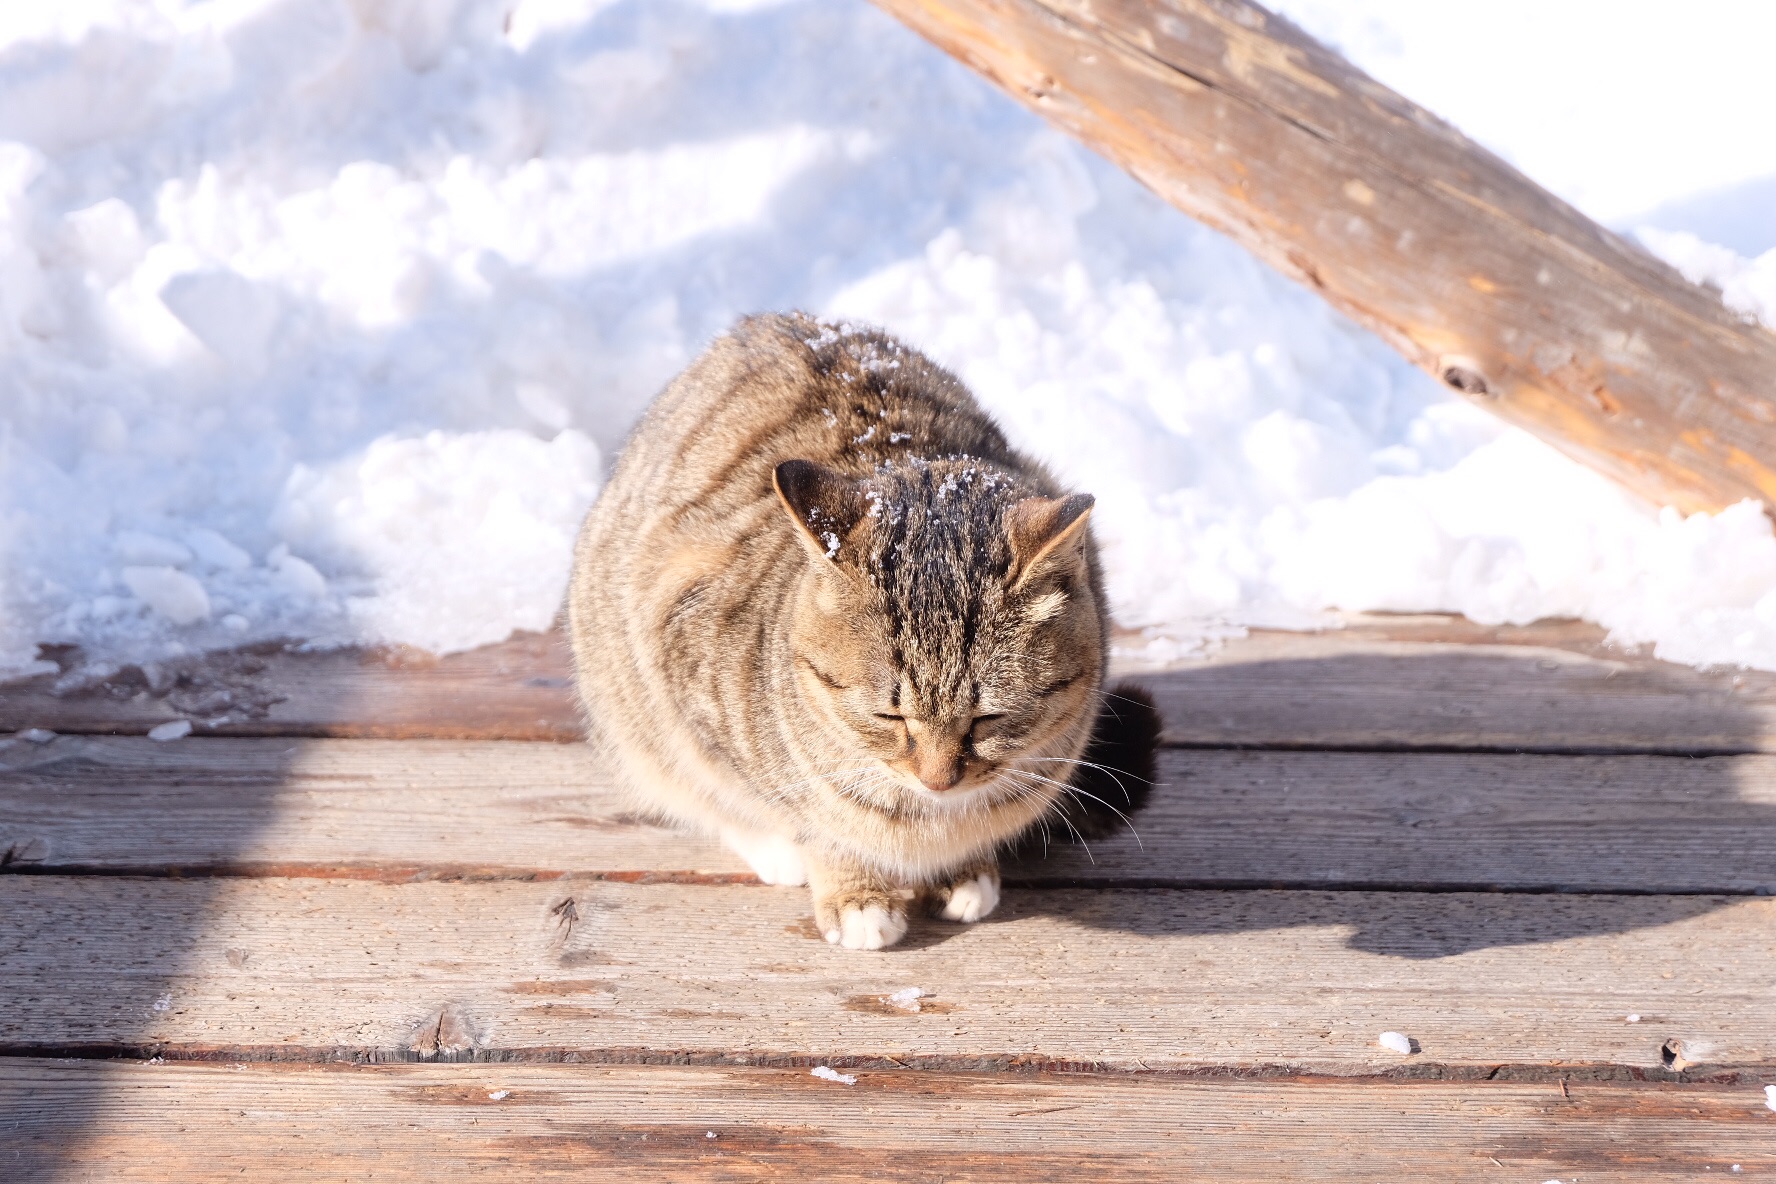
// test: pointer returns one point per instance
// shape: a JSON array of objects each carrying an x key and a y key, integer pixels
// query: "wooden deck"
[{"x": 379, "y": 922}]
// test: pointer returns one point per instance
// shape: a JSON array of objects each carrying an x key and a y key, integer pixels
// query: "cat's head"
[{"x": 951, "y": 625}]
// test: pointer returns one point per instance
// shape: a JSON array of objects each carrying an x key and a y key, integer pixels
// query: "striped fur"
[{"x": 815, "y": 529}]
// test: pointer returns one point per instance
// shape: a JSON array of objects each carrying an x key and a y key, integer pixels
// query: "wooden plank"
[
  {"x": 1253, "y": 983},
  {"x": 1385, "y": 682},
  {"x": 397, "y": 810},
  {"x": 519, "y": 689},
  {"x": 1476, "y": 274},
  {"x": 1366, "y": 689},
  {"x": 199, "y": 1123}
]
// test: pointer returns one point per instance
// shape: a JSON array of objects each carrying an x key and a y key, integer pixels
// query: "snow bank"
[{"x": 318, "y": 319}]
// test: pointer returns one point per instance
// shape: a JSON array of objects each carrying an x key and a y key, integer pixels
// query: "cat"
[{"x": 823, "y": 609}]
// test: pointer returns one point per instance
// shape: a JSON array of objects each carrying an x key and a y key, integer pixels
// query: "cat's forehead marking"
[{"x": 938, "y": 565}]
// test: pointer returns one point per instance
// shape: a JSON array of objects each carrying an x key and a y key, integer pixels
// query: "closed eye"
[
  {"x": 1062, "y": 685},
  {"x": 889, "y": 717},
  {"x": 982, "y": 727},
  {"x": 827, "y": 680}
]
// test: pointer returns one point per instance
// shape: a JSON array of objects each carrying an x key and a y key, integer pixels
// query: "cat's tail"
[{"x": 1114, "y": 777}]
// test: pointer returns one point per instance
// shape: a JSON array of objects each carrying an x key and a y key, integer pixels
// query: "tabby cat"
[{"x": 824, "y": 610}]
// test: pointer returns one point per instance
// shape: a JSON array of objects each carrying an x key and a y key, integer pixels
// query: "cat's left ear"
[
  {"x": 824, "y": 504},
  {"x": 1046, "y": 532}
]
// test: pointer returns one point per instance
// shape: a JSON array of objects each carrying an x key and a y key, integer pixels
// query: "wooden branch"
[{"x": 1472, "y": 271}]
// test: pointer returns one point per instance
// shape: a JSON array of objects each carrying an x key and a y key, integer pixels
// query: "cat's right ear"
[{"x": 824, "y": 504}]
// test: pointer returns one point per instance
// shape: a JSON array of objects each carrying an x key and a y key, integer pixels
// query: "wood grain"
[
  {"x": 519, "y": 689},
  {"x": 1245, "y": 983},
  {"x": 1384, "y": 682},
  {"x": 1476, "y": 274},
  {"x": 302, "y": 1125},
  {"x": 1385, "y": 689},
  {"x": 399, "y": 810}
]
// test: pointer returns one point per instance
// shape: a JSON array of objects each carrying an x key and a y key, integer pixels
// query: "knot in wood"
[{"x": 1466, "y": 380}]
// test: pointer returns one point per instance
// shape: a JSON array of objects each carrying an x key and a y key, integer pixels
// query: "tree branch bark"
[{"x": 1476, "y": 274}]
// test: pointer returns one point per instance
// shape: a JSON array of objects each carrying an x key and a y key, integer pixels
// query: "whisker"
[
  {"x": 1114, "y": 774},
  {"x": 1074, "y": 789}
]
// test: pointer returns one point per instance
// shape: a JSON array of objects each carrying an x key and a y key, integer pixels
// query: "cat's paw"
[
  {"x": 968, "y": 897},
  {"x": 868, "y": 927},
  {"x": 773, "y": 858}
]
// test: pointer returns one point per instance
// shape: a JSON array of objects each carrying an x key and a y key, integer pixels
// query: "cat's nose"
[{"x": 938, "y": 782}]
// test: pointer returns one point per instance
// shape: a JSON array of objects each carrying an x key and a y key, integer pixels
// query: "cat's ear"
[
  {"x": 1046, "y": 532},
  {"x": 824, "y": 504}
]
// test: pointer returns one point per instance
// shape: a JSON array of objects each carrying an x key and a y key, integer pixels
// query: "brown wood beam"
[{"x": 1476, "y": 274}]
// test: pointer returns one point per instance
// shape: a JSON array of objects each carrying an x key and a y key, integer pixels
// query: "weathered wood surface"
[
  {"x": 517, "y": 690},
  {"x": 399, "y": 810},
  {"x": 1413, "y": 682},
  {"x": 1253, "y": 983},
  {"x": 1359, "y": 690},
  {"x": 1470, "y": 269},
  {"x": 300, "y": 1124}
]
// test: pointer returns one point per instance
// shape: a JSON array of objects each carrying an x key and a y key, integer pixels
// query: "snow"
[
  {"x": 833, "y": 1075},
  {"x": 173, "y": 729},
  {"x": 322, "y": 319},
  {"x": 1395, "y": 1042},
  {"x": 907, "y": 998}
]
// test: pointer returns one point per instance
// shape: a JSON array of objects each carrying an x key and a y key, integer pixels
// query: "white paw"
[
  {"x": 971, "y": 899},
  {"x": 868, "y": 928},
  {"x": 773, "y": 858}
]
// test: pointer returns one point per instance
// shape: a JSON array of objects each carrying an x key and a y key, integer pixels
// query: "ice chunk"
[
  {"x": 140, "y": 547},
  {"x": 296, "y": 574},
  {"x": 217, "y": 551},
  {"x": 170, "y": 592},
  {"x": 109, "y": 237},
  {"x": 1770, "y": 1096},
  {"x": 499, "y": 1095},
  {"x": 826, "y": 1074},
  {"x": 1396, "y": 1042},
  {"x": 229, "y": 313},
  {"x": 173, "y": 729},
  {"x": 37, "y": 735}
]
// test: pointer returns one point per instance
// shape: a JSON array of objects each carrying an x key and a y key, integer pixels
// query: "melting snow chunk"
[
  {"x": 37, "y": 735},
  {"x": 826, "y": 1074},
  {"x": 1396, "y": 1042},
  {"x": 1770, "y": 1096},
  {"x": 169, "y": 592},
  {"x": 908, "y": 999},
  {"x": 499, "y": 1095},
  {"x": 173, "y": 729}
]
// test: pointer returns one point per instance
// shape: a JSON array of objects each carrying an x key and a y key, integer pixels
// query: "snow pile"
[
  {"x": 1748, "y": 286},
  {"x": 319, "y": 319}
]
